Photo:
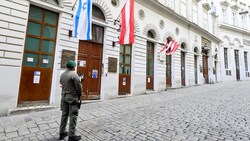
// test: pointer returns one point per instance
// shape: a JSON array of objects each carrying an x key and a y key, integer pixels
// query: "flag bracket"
[{"x": 118, "y": 22}]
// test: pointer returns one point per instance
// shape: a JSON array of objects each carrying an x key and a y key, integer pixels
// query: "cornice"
[{"x": 234, "y": 28}]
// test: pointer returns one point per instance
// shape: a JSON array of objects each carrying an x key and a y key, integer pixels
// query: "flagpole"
[{"x": 74, "y": 4}]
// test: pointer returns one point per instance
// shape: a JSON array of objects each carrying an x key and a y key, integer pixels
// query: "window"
[
  {"x": 97, "y": 13},
  {"x": 40, "y": 38},
  {"x": 184, "y": 8},
  {"x": 205, "y": 20},
  {"x": 244, "y": 21},
  {"x": 195, "y": 12},
  {"x": 125, "y": 59},
  {"x": 245, "y": 60},
  {"x": 97, "y": 33},
  {"x": 226, "y": 58},
  {"x": 224, "y": 15},
  {"x": 214, "y": 26},
  {"x": 235, "y": 19},
  {"x": 170, "y": 4}
]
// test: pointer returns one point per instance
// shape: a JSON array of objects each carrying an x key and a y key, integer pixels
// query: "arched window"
[
  {"x": 196, "y": 50},
  {"x": 150, "y": 34},
  {"x": 183, "y": 45},
  {"x": 169, "y": 39},
  {"x": 97, "y": 13}
]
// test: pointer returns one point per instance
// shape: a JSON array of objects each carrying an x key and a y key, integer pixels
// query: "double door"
[
  {"x": 150, "y": 66},
  {"x": 90, "y": 67},
  {"x": 205, "y": 67}
]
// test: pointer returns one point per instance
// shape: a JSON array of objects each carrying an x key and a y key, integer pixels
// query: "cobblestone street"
[{"x": 210, "y": 112}]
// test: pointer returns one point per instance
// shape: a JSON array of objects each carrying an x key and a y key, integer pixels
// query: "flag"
[
  {"x": 170, "y": 48},
  {"x": 82, "y": 20},
  {"x": 127, "y": 23}
]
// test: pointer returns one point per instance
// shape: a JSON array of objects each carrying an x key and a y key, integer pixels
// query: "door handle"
[{"x": 89, "y": 74}]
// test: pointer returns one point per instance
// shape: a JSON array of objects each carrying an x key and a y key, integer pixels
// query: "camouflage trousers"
[{"x": 69, "y": 109}]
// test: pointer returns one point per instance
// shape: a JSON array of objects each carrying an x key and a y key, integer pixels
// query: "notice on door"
[
  {"x": 94, "y": 73},
  {"x": 148, "y": 80},
  {"x": 124, "y": 81},
  {"x": 36, "y": 79},
  {"x": 82, "y": 63}
]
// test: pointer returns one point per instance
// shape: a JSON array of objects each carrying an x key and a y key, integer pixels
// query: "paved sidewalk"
[{"x": 218, "y": 112}]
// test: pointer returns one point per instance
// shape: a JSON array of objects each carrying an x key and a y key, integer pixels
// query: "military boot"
[
  {"x": 74, "y": 138},
  {"x": 63, "y": 135}
]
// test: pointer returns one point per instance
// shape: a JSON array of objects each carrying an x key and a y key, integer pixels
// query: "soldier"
[{"x": 71, "y": 92}]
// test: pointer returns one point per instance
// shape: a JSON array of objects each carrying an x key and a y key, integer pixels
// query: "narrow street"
[{"x": 214, "y": 112}]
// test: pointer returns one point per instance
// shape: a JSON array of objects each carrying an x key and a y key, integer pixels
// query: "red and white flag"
[
  {"x": 127, "y": 23},
  {"x": 171, "y": 47}
]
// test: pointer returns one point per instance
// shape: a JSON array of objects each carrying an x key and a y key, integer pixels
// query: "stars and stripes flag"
[
  {"x": 127, "y": 23},
  {"x": 170, "y": 48},
  {"x": 82, "y": 20}
]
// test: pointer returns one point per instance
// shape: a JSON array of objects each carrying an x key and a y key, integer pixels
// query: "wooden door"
[
  {"x": 195, "y": 69},
  {"x": 90, "y": 67},
  {"x": 150, "y": 66},
  {"x": 124, "y": 69},
  {"x": 90, "y": 64},
  {"x": 205, "y": 67},
  {"x": 183, "y": 79},
  {"x": 237, "y": 64},
  {"x": 38, "y": 58},
  {"x": 168, "y": 71}
]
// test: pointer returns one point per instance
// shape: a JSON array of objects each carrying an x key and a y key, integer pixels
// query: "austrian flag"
[
  {"x": 171, "y": 47},
  {"x": 127, "y": 23}
]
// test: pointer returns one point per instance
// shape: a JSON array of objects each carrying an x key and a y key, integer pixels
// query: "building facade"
[
  {"x": 234, "y": 29},
  {"x": 36, "y": 41}
]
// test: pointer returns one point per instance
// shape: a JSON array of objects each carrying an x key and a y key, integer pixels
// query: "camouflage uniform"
[{"x": 71, "y": 91}]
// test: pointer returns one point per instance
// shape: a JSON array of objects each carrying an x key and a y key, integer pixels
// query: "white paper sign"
[
  {"x": 123, "y": 83},
  {"x": 148, "y": 80},
  {"x": 45, "y": 61},
  {"x": 36, "y": 79},
  {"x": 82, "y": 63},
  {"x": 30, "y": 59}
]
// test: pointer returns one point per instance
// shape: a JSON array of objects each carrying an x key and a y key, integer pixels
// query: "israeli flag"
[{"x": 82, "y": 20}]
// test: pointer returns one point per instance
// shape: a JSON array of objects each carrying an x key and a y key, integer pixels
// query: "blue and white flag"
[{"x": 82, "y": 20}]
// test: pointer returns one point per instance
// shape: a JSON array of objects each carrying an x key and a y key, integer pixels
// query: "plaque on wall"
[
  {"x": 67, "y": 55},
  {"x": 112, "y": 64}
]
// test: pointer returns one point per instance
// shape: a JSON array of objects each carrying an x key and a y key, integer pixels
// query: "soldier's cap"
[{"x": 71, "y": 63}]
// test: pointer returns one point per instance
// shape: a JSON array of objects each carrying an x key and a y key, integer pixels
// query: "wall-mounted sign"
[
  {"x": 67, "y": 55},
  {"x": 112, "y": 64}
]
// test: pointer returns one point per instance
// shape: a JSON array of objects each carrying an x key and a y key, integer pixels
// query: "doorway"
[
  {"x": 125, "y": 69},
  {"x": 195, "y": 69},
  {"x": 38, "y": 57},
  {"x": 196, "y": 52},
  {"x": 183, "y": 83},
  {"x": 150, "y": 66},
  {"x": 237, "y": 64},
  {"x": 90, "y": 64},
  {"x": 205, "y": 67},
  {"x": 168, "y": 71}
]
